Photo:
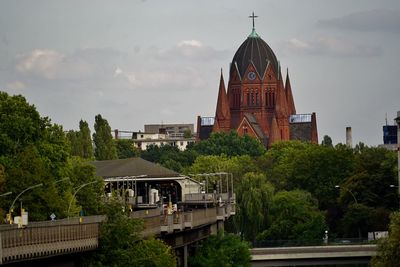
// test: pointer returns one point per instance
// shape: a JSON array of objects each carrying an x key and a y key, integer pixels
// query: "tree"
[
  {"x": 86, "y": 140},
  {"x": 230, "y": 144},
  {"x": 152, "y": 253},
  {"x": 104, "y": 143},
  {"x": 74, "y": 143},
  {"x": 388, "y": 248},
  {"x": 120, "y": 243},
  {"x": 32, "y": 151},
  {"x": 310, "y": 167},
  {"x": 187, "y": 133},
  {"x": 169, "y": 156},
  {"x": 327, "y": 141},
  {"x": 117, "y": 237},
  {"x": 125, "y": 149},
  {"x": 254, "y": 195},
  {"x": 222, "y": 250},
  {"x": 294, "y": 216},
  {"x": 80, "y": 141},
  {"x": 88, "y": 199}
]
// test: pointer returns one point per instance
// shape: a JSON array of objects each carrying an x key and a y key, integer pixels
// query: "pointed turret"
[
  {"x": 222, "y": 113},
  {"x": 289, "y": 95},
  {"x": 281, "y": 107}
]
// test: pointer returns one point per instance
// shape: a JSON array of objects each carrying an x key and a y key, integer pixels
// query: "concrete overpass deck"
[{"x": 313, "y": 255}]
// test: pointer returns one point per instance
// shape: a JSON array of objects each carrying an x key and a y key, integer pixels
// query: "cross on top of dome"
[{"x": 253, "y": 32}]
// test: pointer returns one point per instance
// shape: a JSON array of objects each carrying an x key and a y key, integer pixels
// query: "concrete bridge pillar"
[{"x": 185, "y": 256}]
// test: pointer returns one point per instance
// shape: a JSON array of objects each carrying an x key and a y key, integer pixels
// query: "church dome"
[{"x": 255, "y": 50}]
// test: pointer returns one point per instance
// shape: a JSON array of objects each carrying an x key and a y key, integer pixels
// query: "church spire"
[
  {"x": 281, "y": 106},
  {"x": 222, "y": 113},
  {"x": 289, "y": 95}
]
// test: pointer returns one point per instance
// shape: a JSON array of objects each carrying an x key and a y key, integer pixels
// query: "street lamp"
[
  {"x": 6, "y": 194},
  {"x": 63, "y": 179},
  {"x": 23, "y": 191},
  {"x": 77, "y": 190},
  {"x": 355, "y": 200}
]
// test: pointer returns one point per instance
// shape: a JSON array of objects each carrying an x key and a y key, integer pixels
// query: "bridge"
[
  {"x": 312, "y": 255},
  {"x": 52, "y": 238}
]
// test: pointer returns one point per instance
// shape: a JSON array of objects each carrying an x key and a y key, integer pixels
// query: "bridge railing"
[
  {"x": 47, "y": 238},
  {"x": 306, "y": 243}
]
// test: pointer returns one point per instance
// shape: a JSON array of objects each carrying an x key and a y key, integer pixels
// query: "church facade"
[{"x": 257, "y": 101}]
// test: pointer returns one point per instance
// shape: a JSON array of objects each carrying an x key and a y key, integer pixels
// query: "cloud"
[
  {"x": 331, "y": 46},
  {"x": 16, "y": 85},
  {"x": 80, "y": 65},
  {"x": 41, "y": 62},
  {"x": 159, "y": 78},
  {"x": 381, "y": 20},
  {"x": 178, "y": 68},
  {"x": 191, "y": 50}
]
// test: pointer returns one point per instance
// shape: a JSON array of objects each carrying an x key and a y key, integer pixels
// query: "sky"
[{"x": 142, "y": 62}]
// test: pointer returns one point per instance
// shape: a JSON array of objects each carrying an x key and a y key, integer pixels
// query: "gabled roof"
[
  {"x": 131, "y": 167},
  {"x": 252, "y": 120}
]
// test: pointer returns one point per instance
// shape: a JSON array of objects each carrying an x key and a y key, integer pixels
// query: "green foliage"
[
  {"x": 313, "y": 168},
  {"x": 33, "y": 151},
  {"x": 375, "y": 170},
  {"x": 125, "y": 149},
  {"x": 327, "y": 141},
  {"x": 88, "y": 199},
  {"x": 187, "y": 133},
  {"x": 120, "y": 243},
  {"x": 80, "y": 141},
  {"x": 152, "y": 253},
  {"x": 230, "y": 144},
  {"x": 237, "y": 165},
  {"x": 222, "y": 250},
  {"x": 118, "y": 236},
  {"x": 20, "y": 124},
  {"x": 169, "y": 156},
  {"x": 389, "y": 248},
  {"x": 105, "y": 147},
  {"x": 294, "y": 216},
  {"x": 254, "y": 195},
  {"x": 86, "y": 140}
]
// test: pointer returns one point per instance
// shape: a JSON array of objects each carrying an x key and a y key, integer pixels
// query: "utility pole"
[{"x": 398, "y": 151}]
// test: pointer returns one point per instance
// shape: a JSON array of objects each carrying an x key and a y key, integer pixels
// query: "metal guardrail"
[
  {"x": 42, "y": 239},
  {"x": 48, "y": 238},
  {"x": 314, "y": 242}
]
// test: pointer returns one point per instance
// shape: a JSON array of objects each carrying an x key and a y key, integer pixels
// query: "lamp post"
[
  {"x": 23, "y": 191},
  {"x": 355, "y": 200},
  {"x": 351, "y": 193},
  {"x": 76, "y": 191},
  {"x": 63, "y": 179},
  {"x": 6, "y": 194},
  {"x": 395, "y": 186}
]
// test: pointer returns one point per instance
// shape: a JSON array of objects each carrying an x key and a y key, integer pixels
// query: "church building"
[{"x": 257, "y": 101}]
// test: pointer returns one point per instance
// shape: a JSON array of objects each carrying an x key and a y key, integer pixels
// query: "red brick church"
[{"x": 258, "y": 103}]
